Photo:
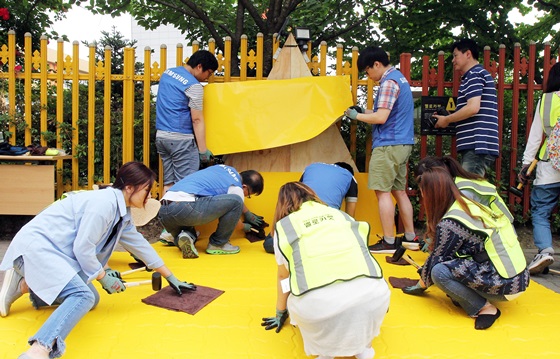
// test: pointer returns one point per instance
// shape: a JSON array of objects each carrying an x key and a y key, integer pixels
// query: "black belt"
[{"x": 165, "y": 202}]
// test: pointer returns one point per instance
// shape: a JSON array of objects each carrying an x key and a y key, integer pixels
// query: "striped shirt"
[{"x": 479, "y": 132}]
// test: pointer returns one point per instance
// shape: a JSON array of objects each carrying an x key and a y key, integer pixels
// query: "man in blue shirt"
[
  {"x": 181, "y": 134},
  {"x": 476, "y": 117},
  {"x": 333, "y": 183},
  {"x": 216, "y": 192}
]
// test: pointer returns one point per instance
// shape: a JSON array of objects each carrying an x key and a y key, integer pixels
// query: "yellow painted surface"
[
  {"x": 256, "y": 115},
  {"x": 415, "y": 327}
]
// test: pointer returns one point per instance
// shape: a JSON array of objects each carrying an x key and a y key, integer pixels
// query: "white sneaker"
[
  {"x": 10, "y": 291},
  {"x": 185, "y": 242},
  {"x": 540, "y": 262},
  {"x": 166, "y": 238}
]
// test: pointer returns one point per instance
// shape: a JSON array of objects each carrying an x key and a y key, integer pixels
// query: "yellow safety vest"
[
  {"x": 501, "y": 242},
  {"x": 550, "y": 113},
  {"x": 488, "y": 193},
  {"x": 324, "y": 245}
]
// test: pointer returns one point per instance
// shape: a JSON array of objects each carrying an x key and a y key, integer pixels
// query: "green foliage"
[{"x": 33, "y": 16}]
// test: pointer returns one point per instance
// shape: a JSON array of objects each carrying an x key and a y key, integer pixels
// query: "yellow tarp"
[
  {"x": 423, "y": 327},
  {"x": 256, "y": 115}
]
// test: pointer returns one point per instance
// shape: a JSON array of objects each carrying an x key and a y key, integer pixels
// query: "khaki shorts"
[{"x": 387, "y": 168}]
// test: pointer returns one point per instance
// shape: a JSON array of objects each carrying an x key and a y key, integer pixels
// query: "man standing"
[
  {"x": 181, "y": 134},
  {"x": 393, "y": 136},
  {"x": 216, "y": 192},
  {"x": 477, "y": 111}
]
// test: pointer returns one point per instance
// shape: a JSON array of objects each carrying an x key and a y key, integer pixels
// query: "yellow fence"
[{"x": 36, "y": 72}]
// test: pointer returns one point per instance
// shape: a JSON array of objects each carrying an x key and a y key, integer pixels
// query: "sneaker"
[
  {"x": 10, "y": 291},
  {"x": 227, "y": 248},
  {"x": 413, "y": 245},
  {"x": 186, "y": 244},
  {"x": 383, "y": 247},
  {"x": 540, "y": 262},
  {"x": 166, "y": 238}
]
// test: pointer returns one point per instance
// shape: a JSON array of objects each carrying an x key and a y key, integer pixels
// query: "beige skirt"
[{"x": 340, "y": 319}]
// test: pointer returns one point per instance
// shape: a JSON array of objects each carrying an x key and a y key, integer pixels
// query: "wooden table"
[{"x": 27, "y": 183}]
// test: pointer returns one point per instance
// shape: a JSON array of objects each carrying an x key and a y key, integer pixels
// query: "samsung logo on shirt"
[
  {"x": 176, "y": 76},
  {"x": 232, "y": 174}
]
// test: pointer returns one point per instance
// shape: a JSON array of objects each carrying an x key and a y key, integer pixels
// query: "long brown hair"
[
  {"x": 290, "y": 198},
  {"x": 452, "y": 165},
  {"x": 438, "y": 194}
]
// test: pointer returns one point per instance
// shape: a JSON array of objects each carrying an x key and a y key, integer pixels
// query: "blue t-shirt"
[
  {"x": 173, "y": 113},
  {"x": 331, "y": 183},
  {"x": 479, "y": 132},
  {"x": 211, "y": 181}
]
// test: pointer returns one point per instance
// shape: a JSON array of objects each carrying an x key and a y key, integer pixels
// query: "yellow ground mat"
[
  {"x": 429, "y": 326},
  {"x": 229, "y": 327}
]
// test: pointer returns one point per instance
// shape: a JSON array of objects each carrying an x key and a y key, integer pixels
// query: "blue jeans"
[
  {"x": 227, "y": 208},
  {"x": 479, "y": 164},
  {"x": 543, "y": 200},
  {"x": 470, "y": 300},
  {"x": 75, "y": 300}
]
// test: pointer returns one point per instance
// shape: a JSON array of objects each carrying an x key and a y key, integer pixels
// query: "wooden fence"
[{"x": 515, "y": 73}]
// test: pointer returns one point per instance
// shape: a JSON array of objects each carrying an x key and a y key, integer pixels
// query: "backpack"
[
  {"x": 553, "y": 146},
  {"x": 7, "y": 149}
]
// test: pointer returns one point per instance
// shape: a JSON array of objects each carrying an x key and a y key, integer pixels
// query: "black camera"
[{"x": 440, "y": 111}]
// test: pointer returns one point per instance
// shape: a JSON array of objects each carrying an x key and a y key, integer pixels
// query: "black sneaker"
[
  {"x": 413, "y": 245},
  {"x": 383, "y": 247}
]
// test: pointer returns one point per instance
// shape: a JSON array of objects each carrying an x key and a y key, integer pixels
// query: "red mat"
[{"x": 189, "y": 302}]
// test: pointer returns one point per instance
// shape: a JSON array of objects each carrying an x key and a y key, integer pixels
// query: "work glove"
[
  {"x": 416, "y": 289},
  {"x": 425, "y": 244},
  {"x": 178, "y": 285},
  {"x": 112, "y": 284},
  {"x": 277, "y": 321},
  {"x": 253, "y": 219},
  {"x": 522, "y": 176},
  {"x": 247, "y": 227},
  {"x": 205, "y": 156},
  {"x": 353, "y": 111},
  {"x": 113, "y": 273}
]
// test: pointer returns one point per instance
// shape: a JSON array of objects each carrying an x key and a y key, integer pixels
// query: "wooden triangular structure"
[{"x": 328, "y": 147}]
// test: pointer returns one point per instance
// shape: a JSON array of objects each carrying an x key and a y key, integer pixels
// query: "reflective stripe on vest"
[
  {"x": 550, "y": 112},
  {"x": 324, "y": 245},
  {"x": 485, "y": 189},
  {"x": 501, "y": 242}
]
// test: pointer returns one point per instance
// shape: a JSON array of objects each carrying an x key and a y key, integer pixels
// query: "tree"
[
  {"x": 397, "y": 25},
  {"x": 31, "y": 16}
]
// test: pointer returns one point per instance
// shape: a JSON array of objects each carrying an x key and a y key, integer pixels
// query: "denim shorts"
[{"x": 387, "y": 168}]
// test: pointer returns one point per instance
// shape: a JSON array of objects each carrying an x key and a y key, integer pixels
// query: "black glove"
[
  {"x": 523, "y": 177},
  {"x": 179, "y": 285},
  {"x": 277, "y": 321}
]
